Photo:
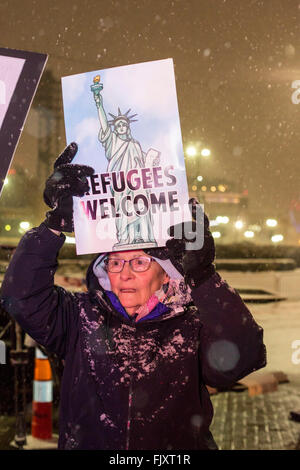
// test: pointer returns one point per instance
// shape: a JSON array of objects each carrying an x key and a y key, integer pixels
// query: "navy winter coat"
[{"x": 135, "y": 386}]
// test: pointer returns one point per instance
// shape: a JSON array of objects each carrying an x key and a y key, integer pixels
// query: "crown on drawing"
[{"x": 124, "y": 117}]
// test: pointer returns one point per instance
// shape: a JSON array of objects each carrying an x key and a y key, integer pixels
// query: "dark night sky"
[{"x": 235, "y": 61}]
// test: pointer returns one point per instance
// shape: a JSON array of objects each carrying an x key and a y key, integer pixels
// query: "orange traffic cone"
[{"x": 41, "y": 423}]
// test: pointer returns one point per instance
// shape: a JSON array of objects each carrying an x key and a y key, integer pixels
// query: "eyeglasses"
[{"x": 138, "y": 265}]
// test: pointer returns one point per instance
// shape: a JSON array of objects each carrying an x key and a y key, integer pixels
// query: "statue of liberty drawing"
[{"x": 123, "y": 154}]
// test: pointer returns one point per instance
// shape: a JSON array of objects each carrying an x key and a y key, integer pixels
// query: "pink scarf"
[{"x": 177, "y": 294}]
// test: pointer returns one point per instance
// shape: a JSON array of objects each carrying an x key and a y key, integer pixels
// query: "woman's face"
[
  {"x": 134, "y": 288},
  {"x": 121, "y": 127}
]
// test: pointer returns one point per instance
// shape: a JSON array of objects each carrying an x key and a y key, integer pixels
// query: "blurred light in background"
[
  {"x": 199, "y": 178},
  {"x": 216, "y": 234},
  {"x": 239, "y": 224},
  {"x": 249, "y": 234},
  {"x": 191, "y": 151},
  {"x": 255, "y": 228},
  {"x": 205, "y": 153},
  {"x": 277, "y": 238},
  {"x": 70, "y": 240},
  {"x": 7, "y": 227},
  {"x": 24, "y": 225},
  {"x": 271, "y": 222},
  {"x": 213, "y": 223},
  {"x": 222, "y": 219}
]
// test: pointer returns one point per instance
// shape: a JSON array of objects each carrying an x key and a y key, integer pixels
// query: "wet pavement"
[{"x": 243, "y": 422}]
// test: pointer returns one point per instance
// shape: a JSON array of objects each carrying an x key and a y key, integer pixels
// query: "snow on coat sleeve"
[
  {"x": 231, "y": 342},
  {"x": 46, "y": 312}
]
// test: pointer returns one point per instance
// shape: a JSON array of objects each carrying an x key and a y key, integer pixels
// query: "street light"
[
  {"x": 277, "y": 238},
  {"x": 271, "y": 222},
  {"x": 24, "y": 225},
  {"x": 216, "y": 234},
  {"x": 239, "y": 224},
  {"x": 222, "y": 219},
  {"x": 255, "y": 228},
  {"x": 213, "y": 223},
  {"x": 249, "y": 234},
  {"x": 191, "y": 151},
  {"x": 205, "y": 152}
]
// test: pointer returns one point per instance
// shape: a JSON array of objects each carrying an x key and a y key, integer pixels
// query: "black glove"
[
  {"x": 194, "y": 262},
  {"x": 66, "y": 181}
]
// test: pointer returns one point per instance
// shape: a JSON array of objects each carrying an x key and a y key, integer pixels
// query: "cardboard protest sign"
[
  {"x": 125, "y": 121},
  {"x": 20, "y": 73}
]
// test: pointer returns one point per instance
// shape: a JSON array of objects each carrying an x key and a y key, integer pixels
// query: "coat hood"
[{"x": 97, "y": 275}]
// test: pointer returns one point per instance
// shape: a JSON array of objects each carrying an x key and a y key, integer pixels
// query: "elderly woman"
[{"x": 140, "y": 346}]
